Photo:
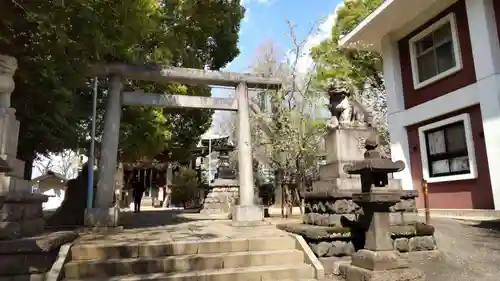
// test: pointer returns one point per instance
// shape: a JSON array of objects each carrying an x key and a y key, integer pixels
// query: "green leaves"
[
  {"x": 54, "y": 41},
  {"x": 357, "y": 68}
]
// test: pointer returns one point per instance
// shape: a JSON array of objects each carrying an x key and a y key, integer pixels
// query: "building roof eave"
[{"x": 393, "y": 17}]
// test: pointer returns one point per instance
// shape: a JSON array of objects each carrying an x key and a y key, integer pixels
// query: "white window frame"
[
  {"x": 470, "y": 149},
  {"x": 450, "y": 18}
]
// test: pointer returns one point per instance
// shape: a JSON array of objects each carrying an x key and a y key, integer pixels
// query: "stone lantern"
[{"x": 378, "y": 260}]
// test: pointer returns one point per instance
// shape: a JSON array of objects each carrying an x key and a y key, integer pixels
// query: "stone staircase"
[{"x": 245, "y": 259}]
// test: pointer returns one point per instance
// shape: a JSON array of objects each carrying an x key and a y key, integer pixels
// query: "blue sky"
[{"x": 266, "y": 20}]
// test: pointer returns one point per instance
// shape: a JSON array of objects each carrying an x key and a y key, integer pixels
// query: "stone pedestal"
[
  {"x": 243, "y": 214},
  {"x": 20, "y": 211},
  {"x": 21, "y": 215},
  {"x": 380, "y": 266},
  {"x": 99, "y": 217},
  {"x": 343, "y": 146}
]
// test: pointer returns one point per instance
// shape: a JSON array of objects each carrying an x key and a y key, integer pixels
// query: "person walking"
[{"x": 138, "y": 191}]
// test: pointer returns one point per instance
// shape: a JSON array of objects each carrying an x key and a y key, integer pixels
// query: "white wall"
[{"x": 486, "y": 92}]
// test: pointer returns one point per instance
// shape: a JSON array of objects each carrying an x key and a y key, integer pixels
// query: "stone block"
[
  {"x": 403, "y": 218},
  {"x": 10, "y": 230},
  {"x": 24, "y": 264},
  {"x": 9, "y": 132},
  {"x": 332, "y": 264},
  {"x": 422, "y": 243},
  {"x": 97, "y": 217},
  {"x": 346, "y": 144},
  {"x": 12, "y": 184},
  {"x": 378, "y": 260},
  {"x": 248, "y": 213},
  {"x": 402, "y": 245},
  {"x": 37, "y": 244},
  {"x": 405, "y": 205},
  {"x": 222, "y": 245},
  {"x": 32, "y": 211},
  {"x": 93, "y": 251},
  {"x": 354, "y": 273},
  {"x": 10, "y": 211},
  {"x": 271, "y": 244},
  {"x": 24, "y": 228},
  {"x": 15, "y": 164},
  {"x": 32, "y": 227}
]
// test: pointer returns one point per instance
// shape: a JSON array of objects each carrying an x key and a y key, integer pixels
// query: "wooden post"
[{"x": 426, "y": 202}]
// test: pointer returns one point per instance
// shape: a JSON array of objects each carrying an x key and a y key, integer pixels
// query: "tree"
[
  {"x": 358, "y": 71},
  {"x": 54, "y": 41},
  {"x": 65, "y": 163},
  {"x": 288, "y": 129},
  {"x": 185, "y": 187}
]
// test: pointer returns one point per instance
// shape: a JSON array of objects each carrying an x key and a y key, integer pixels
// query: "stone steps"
[
  {"x": 111, "y": 267},
  {"x": 263, "y": 273},
  {"x": 262, "y": 258}
]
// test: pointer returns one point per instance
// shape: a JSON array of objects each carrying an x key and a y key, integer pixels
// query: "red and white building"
[{"x": 442, "y": 76}]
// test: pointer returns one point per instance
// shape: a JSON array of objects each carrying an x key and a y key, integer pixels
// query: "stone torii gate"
[{"x": 103, "y": 213}]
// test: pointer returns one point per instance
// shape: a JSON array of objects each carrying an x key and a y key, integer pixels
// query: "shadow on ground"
[
  {"x": 155, "y": 218},
  {"x": 490, "y": 225}
]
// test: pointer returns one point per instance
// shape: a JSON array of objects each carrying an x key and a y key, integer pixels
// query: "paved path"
[
  {"x": 471, "y": 250},
  {"x": 175, "y": 225}
]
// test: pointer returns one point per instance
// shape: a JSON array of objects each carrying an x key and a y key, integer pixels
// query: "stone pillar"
[
  {"x": 20, "y": 210},
  {"x": 246, "y": 211},
  {"x": 104, "y": 214}
]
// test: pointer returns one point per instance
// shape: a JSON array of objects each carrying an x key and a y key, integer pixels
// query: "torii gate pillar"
[
  {"x": 104, "y": 213},
  {"x": 246, "y": 210}
]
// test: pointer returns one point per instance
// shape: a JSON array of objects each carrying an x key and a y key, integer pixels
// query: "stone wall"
[
  {"x": 326, "y": 208},
  {"x": 21, "y": 215},
  {"x": 326, "y": 241}
]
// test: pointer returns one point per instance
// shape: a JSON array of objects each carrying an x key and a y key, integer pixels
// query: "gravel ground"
[{"x": 470, "y": 251}]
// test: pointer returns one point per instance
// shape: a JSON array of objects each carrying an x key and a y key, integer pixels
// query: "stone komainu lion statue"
[{"x": 346, "y": 111}]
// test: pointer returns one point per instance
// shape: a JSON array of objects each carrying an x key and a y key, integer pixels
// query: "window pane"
[
  {"x": 442, "y": 34},
  {"x": 424, "y": 44},
  {"x": 436, "y": 142},
  {"x": 440, "y": 167},
  {"x": 460, "y": 164},
  {"x": 426, "y": 66},
  {"x": 445, "y": 57},
  {"x": 455, "y": 138}
]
